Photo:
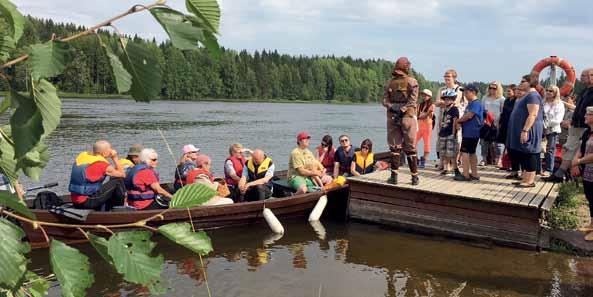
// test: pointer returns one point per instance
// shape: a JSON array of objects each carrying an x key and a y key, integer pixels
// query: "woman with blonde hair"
[
  {"x": 493, "y": 103},
  {"x": 553, "y": 116},
  {"x": 451, "y": 85}
]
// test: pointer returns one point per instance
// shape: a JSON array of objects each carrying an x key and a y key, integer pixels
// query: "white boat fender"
[
  {"x": 319, "y": 229},
  {"x": 318, "y": 209},
  {"x": 273, "y": 221}
]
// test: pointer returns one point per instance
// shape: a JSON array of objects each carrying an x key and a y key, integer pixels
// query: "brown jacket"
[{"x": 401, "y": 91}]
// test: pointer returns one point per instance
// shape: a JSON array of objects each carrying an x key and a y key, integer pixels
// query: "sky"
[{"x": 484, "y": 40}]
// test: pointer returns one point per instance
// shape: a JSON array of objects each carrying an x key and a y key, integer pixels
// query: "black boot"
[
  {"x": 393, "y": 178},
  {"x": 415, "y": 180}
]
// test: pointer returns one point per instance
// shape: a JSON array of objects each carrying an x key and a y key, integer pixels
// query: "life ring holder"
[{"x": 571, "y": 76}]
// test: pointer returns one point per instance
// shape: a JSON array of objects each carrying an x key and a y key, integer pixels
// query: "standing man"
[
  {"x": 577, "y": 126},
  {"x": 400, "y": 100},
  {"x": 470, "y": 124}
]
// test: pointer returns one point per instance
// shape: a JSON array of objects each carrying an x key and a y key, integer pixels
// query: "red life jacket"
[
  {"x": 238, "y": 164},
  {"x": 138, "y": 191},
  {"x": 192, "y": 175}
]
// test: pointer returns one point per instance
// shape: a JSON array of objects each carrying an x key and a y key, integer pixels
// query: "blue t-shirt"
[
  {"x": 517, "y": 122},
  {"x": 447, "y": 121},
  {"x": 471, "y": 128}
]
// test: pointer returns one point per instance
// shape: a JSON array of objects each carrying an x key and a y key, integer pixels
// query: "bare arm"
[
  {"x": 156, "y": 187},
  {"x": 353, "y": 169},
  {"x": 532, "y": 109},
  {"x": 118, "y": 170},
  {"x": 306, "y": 172},
  {"x": 336, "y": 169},
  {"x": 468, "y": 115}
]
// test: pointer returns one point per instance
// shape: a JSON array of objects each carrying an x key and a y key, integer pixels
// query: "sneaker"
[
  {"x": 415, "y": 180},
  {"x": 461, "y": 178},
  {"x": 482, "y": 163}
]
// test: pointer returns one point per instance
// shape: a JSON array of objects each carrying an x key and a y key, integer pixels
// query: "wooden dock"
[{"x": 491, "y": 209}]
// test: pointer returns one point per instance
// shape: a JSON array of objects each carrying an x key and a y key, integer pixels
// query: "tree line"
[{"x": 194, "y": 75}]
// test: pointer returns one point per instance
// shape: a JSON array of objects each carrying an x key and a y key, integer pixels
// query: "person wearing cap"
[
  {"x": 425, "y": 124},
  {"x": 470, "y": 123},
  {"x": 343, "y": 157},
  {"x": 133, "y": 157},
  {"x": 299, "y": 177},
  {"x": 526, "y": 130},
  {"x": 233, "y": 168},
  {"x": 448, "y": 144},
  {"x": 582, "y": 165},
  {"x": 186, "y": 164},
  {"x": 451, "y": 85}
]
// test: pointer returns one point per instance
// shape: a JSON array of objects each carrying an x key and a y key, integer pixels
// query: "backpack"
[{"x": 47, "y": 199}]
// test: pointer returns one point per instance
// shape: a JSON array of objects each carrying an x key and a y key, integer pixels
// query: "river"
[{"x": 344, "y": 259}]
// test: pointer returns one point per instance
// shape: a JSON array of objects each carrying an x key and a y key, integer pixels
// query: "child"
[{"x": 448, "y": 134}]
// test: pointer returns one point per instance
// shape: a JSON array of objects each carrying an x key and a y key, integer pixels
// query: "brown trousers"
[{"x": 402, "y": 137}]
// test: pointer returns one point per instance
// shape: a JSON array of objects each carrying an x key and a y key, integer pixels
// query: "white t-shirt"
[{"x": 494, "y": 106}]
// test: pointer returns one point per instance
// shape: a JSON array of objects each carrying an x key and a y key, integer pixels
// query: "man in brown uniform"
[{"x": 400, "y": 99}]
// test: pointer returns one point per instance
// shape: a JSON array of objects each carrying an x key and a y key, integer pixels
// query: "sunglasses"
[
  {"x": 492, "y": 88},
  {"x": 551, "y": 91},
  {"x": 154, "y": 160},
  {"x": 343, "y": 140},
  {"x": 323, "y": 144},
  {"x": 365, "y": 148}
]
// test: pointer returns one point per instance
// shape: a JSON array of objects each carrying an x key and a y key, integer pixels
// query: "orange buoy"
[{"x": 571, "y": 76}]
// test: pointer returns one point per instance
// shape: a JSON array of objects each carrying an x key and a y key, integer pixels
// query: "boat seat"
[
  {"x": 282, "y": 188},
  {"x": 68, "y": 210}
]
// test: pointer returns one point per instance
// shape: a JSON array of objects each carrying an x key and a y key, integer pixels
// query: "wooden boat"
[{"x": 203, "y": 217}]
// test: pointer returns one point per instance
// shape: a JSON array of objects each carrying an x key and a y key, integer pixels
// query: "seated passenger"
[
  {"x": 87, "y": 189},
  {"x": 364, "y": 160},
  {"x": 299, "y": 177},
  {"x": 234, "y": 168},
  {"x": 255, "y": 184},
  {"x": 133, "y": 158},
  {"x": 186, "y": 164},
  {"x": 143, "y": 183},
  {"x": 325, "y": 154},
  {"x": 202, "y": 175},
  {"x": 343, "y": 157}
]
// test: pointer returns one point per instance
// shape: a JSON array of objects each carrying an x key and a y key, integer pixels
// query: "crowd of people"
[{"x": 512, "y": 132}]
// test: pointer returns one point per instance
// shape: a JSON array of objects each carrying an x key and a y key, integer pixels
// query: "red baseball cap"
[{"x": 303, "y": 135}]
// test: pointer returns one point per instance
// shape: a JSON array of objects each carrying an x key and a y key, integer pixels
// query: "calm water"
[{"x": 343, "y": 259}]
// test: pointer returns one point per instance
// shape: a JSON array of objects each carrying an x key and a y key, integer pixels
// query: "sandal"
[{"x": 531, "y": 185}]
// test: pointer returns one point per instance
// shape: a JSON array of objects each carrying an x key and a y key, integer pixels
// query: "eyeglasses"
[{"x": 343, "y": 140}]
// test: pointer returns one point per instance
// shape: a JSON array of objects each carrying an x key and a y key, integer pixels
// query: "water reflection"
[{"x": 352, "y": 260}]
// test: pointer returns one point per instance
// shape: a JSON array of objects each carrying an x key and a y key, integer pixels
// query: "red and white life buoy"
[{"x": 571, "y": 76}]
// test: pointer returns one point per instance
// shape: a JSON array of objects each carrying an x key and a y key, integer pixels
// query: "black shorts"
[{"x": 469, "y": 145}]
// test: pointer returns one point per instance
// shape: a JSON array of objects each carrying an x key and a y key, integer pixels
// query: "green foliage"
[
  {"x": 36, "y": 285},
  {"x": 130, "y": 251},
  {"x": 564, "y": 214},
  {"x": 7, "y": 160},
  {"x": 100, "y": 245},
  {"x": 192, "y": 195},
  {"x": 181, "y": 233},
  {"x": 145, "y": 71},
  {"x": 123, "y": 79},
  {"x": 13, "y": 25},
  {"x": 48, "y": 59},
  {"x": 10, "y": 200},
  {"x": 26, "y": 122},
  {"x": 183, "y": 33},
  {"x": 71, "y": 268},
  {"x": 48, "y": 103},
  {"x": 12, "y": 250},
  {"x": 207, "y": 13}
]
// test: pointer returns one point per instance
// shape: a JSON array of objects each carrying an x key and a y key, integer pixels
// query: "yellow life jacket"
[
  {"x": 260, "y": 171},
  {"x": 86, "y": 158},
  {"x": 364, "y": 165},
  {"x": 125, "y": 163}
]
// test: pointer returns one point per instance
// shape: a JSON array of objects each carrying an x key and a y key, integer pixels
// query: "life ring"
[{"x": 571, "y": 76}]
